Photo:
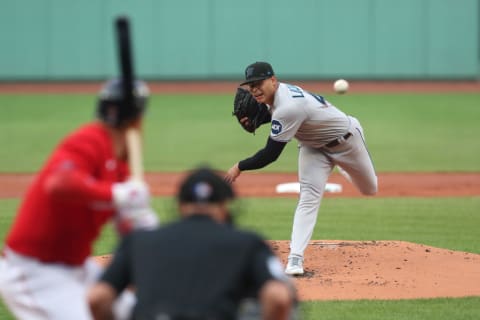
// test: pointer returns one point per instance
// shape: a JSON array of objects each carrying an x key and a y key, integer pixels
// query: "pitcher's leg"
[
  {"x": 354, "y": 157},
  {"x": 314, "y": 169}
]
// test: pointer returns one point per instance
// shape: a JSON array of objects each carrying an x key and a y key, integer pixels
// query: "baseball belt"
[{"x": 336, "y": 142}]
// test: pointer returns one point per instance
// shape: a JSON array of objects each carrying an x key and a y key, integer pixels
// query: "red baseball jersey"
[{"x": 70, "y": 199}]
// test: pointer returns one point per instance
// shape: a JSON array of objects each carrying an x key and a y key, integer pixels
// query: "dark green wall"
[{"x": 216, "y": 39}]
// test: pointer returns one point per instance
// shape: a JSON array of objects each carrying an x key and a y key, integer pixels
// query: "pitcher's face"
[{"x": 264, "y": 90}]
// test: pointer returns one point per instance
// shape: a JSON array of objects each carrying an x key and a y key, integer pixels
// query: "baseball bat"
[{"x": 133, "y": 137}]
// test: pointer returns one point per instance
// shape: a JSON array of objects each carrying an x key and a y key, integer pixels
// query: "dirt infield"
[
  {"x": 264, "y": 184},
  {"x": 350, "y": 269}
]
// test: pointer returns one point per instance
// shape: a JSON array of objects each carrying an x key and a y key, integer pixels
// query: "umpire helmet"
[
  {"x": 204, "y": 185},
  {"x": 111, "y": 107}
]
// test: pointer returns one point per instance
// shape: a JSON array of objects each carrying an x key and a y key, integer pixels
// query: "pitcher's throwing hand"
[{"x": 232, "y": 173}]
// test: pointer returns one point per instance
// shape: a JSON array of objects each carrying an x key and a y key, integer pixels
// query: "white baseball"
[{"x": 341, "y": 86}]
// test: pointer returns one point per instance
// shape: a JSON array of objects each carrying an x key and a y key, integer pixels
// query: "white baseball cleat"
[{"x": 294, "y": 266}]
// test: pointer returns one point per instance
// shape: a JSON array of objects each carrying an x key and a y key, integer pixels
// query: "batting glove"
[
  {"x": 126, "y": 221},
  {"x": 132, "y": 202},
  {"x": 131, "y": 194}
]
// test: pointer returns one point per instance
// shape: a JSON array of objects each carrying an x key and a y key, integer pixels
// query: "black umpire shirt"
[{"x": 192, "y": 269}]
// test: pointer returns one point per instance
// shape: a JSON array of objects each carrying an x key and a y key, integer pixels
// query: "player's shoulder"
[
  {"x": 292, "y": 90},
  {"x": 88, "y": 139},
  {"x": 87, "y": 132},
  {"x": 289, "y": 96},
  {"x": 94, "y": 128}
]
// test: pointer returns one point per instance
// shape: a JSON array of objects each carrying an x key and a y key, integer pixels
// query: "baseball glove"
[{"x": 245, "y": 105}]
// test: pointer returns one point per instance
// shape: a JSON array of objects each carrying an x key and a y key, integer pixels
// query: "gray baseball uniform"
[{"x": 327, "y": 137}]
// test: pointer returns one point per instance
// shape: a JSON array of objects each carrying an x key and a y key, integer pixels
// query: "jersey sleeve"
[
  {"x": 70, "y": 185},
  {"x": 263, "y": 157},
  {"x": 285, "y": 122},
  {"x": 74, "y": 172}
]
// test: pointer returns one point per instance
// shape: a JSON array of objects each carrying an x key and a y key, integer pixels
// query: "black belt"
[{"x": 336, "y": 142}]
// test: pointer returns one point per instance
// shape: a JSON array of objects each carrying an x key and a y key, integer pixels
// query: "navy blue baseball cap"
[
  {"x": 204, "y": 185},
  {"x": 258, "y": 71}
]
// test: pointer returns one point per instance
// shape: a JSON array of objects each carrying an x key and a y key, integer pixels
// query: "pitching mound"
[{"x": 349, "y": 270}]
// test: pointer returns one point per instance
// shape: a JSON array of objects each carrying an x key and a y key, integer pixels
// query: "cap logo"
[
  {"x": 249, "y": 72},
  {"x": 202, "y": 191}
]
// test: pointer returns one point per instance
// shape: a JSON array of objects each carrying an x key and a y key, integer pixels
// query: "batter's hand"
[
  {"x": 126, "y": 221},
  {"x": 232, "y": 173},
  {"x": 131, "y": 194}
]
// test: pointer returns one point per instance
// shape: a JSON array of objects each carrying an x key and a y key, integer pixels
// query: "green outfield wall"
[{"x": 216, "y": 39}]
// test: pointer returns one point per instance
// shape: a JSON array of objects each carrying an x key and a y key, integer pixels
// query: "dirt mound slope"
[{"x": 350, "y": 270}]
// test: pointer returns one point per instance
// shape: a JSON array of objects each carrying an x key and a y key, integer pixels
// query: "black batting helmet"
[{"x": 111, "y": 107}]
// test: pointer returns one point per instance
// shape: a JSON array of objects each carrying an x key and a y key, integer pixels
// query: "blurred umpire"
[{"x": 199, "y": 267}]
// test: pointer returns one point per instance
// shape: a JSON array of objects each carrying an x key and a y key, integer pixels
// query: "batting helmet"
[{"x": 111, "y": 107}]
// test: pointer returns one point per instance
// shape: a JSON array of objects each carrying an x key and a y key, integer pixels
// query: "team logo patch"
[{"x": 276, "y": 127}]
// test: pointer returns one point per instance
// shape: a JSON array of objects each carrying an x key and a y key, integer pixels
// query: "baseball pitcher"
[{"x": 327, "y": 138}]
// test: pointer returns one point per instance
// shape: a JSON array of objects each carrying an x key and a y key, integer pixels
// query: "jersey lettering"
[
  {"x": 319, "y": 98},
  {"x": 276, "y": 127},
  {"x": 296, "y": 91}
]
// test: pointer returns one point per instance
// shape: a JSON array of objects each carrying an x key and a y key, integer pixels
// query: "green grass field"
[{"x": 417, "y": 132}]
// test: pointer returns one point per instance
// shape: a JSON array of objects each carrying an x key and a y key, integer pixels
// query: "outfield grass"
[{"x": 415, "y": 132}]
